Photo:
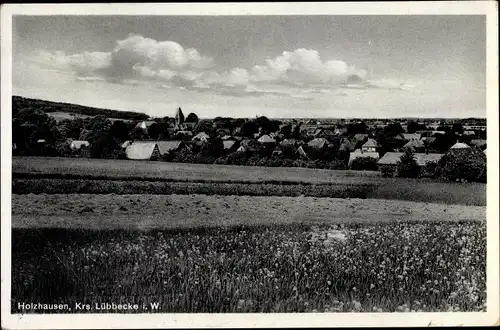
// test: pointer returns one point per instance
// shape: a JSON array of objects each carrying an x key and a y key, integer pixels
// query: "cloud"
[
  {"x": 300, "y": 73},
  {"x": 84, "y": 64},
  {"x": 302, "y": 67}
]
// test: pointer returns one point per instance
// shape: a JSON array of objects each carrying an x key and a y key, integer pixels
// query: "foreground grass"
[{"x": 379, "y": 267}]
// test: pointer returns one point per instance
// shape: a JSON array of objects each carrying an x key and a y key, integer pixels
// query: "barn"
[
  {"x": 144, "y": 150},
  {"x": 392, "y": 158}
]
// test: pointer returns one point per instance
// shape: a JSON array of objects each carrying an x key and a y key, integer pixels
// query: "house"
[
  {"x": 478, "y": 143},
  {"x": 41, "y": 141},
  {"x": 360, "y": 137},
  {"x": 392, "y": 158},
  {"x": 145, "y": 124},
  {"x": 167, "y": 147},
  {"x": 201, "y": 137},
  {"x": 183, "y": 135},
  {"x": 359, "y": 153},
  {"x": 428, "y": 140},
  {"x": 230, "y": 145},
  {"x": 370, "y": 146},
  {"x": 77, "y": 145},
  {"x": 289, "y": 142},
  {"x": 323, "y": 133},
  {"x": 415, "y": 145},
  {"x": 469, "y": 133},
  {"x": 247, "y": 145},
  {"x": 266, "y": 139},
  {"x": 412, "y": 136},
  {"x": 277, "y": 152},
  {"x": 144, "y": 150},
  {"x": 340, "y": 130},
  {"x": 438, "y": 133},
  {"x": 459, "y": 145},
  {"x": 227, "y": 137},
  {"x": 126, "y": 144},
  {"x": 302, "y": 153},
  {"x": 318, "y": 143}
]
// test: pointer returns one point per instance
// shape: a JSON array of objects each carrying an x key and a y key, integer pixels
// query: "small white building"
[{"x": 77, "y": 145}]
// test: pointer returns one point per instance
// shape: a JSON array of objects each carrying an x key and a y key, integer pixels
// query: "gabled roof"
[
  {"x": 360, "y": 136},
  {"x": 318, "y": 143},
  {"x": 140, "y": 150},
  {"x": 478, "y": 142},
  {"x": 392, "y": 158},
  {"x": 201, "y": 136},
  {"x": 145, "y": 123},
  {"x": 360, "y": 154},
  {"x": 288, "y": 142},
  {"x": 168, "y": 146},
  {"x": 228, "y": 144},
  {"x": 412, "y": 136},
  {"x": 371, "y": 143},
  {"x": 266, "y": 139},
  {"x": 126, "y": 144},
  {"x": 459, "y": 145},
  {"x": 412, "y": 144},
  {"x": 227, "y": 137}
]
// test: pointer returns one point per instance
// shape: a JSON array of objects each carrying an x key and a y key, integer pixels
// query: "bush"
[
  {"x": 463, "y": 165},
  {"x": 429, "y": 170},
  {"x": 364, "y": 164},
  {"x": 387, "y": 170},
  {"x": 407, "y": 166}
]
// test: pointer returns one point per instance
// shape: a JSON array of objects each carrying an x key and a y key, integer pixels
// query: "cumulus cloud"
[
  {"x": 301, "y": 67},
  {"x": 83, "y": 64},
  {"x": 138, "y": 59}
]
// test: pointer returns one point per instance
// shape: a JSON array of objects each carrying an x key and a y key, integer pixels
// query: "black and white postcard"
[{"x": 249, "y": 165}]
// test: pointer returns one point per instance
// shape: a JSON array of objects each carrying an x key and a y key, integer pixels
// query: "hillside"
[{"x": 19, "y": 103}]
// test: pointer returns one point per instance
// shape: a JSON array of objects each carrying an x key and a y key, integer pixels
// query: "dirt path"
[{"x": 174, "y": 211}]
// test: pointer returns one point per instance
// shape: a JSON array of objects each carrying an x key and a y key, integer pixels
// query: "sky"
[{"x": 247, "y": 66}]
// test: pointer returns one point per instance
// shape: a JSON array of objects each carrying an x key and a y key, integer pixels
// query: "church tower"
[{"x": 179, "y": 117}]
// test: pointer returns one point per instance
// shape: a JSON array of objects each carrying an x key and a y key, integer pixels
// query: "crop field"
[
  {"x": 383, "y": 267},
  {"x": 90, "y": 176}
]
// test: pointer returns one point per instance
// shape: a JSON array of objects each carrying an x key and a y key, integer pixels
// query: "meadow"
[
  {"x": 93, "y": 176},
  {"x": 383, "y": 267}
]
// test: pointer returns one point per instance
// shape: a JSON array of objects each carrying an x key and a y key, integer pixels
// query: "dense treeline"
[{"x": 20, "y": 103}]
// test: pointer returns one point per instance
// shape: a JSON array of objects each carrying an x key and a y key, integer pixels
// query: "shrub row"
[
  {"x": 92, "y": 177},
  {"x": 63, "y": 186}
]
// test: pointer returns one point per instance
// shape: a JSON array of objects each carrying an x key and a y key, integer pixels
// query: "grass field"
[
  {"x": 383, "y": 267},
  {"x": 149, "y": 170},
  {"x": 71, "y": 175}
]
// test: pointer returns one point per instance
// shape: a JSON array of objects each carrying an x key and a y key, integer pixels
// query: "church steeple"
[{"x": 179, "y": 117}]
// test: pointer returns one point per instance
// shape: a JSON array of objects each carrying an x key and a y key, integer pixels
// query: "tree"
[
  {"x": 364, "y": 164},
  {"x": 154, "y": 131},
  {"x": 463, "y": 164},
  {"x": 457, "y": 128},
  {"x": 192, "y": 118},
  {"x": 407, "y": 166},
  {"x": 286, "y": 131},
  {"x": 119, "y": 130},
  {"x": 392, "y": 130},
  {"x": 249, "y": 128}
]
